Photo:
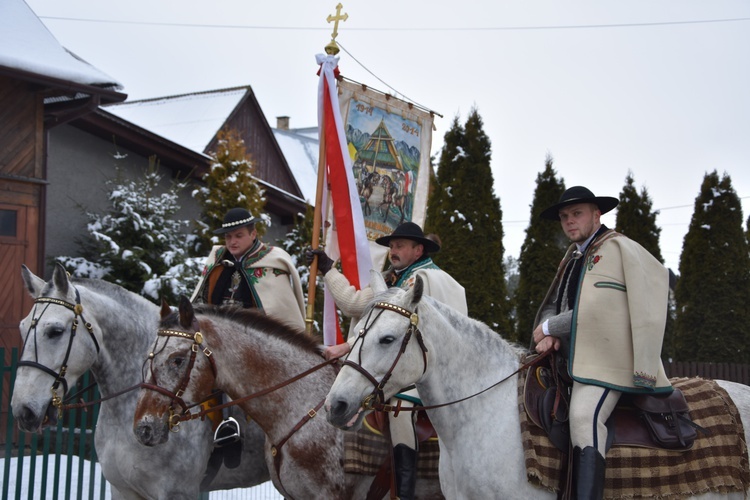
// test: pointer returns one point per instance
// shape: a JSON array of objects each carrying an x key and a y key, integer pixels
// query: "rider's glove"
[{"x": 324, "y": 261}]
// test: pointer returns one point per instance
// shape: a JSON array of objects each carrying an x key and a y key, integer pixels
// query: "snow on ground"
[{"x": 263, "y": 491}]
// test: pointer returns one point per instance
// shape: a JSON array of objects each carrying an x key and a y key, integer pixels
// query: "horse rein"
[
  {"x": 175, "y": 419},
  {"x": 376, "y": 399},
  {"x": 176, "y": 395},
  {"x": 59, "y": 377}
]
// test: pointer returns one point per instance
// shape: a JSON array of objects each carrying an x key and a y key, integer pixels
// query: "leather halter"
[
  {"x": 176, "y": 396},
  {"x": 376, "y": 397},
  {"x": 59, "y": 377}
]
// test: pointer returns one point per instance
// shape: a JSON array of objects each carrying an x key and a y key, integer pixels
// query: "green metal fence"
[{"x": 59, "y": 463}]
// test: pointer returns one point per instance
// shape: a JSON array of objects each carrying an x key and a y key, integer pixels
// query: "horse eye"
[
  {"x": 387, "y": 339},
  {"x": 176, "y": 362},
  {"x": 54, "y": 331}
]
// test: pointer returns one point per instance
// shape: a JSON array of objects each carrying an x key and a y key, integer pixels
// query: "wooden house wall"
[
  {"x": 268, "y": 159},
  {"x": 21, "y": 194}
]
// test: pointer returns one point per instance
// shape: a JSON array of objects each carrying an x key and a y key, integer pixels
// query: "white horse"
[
  {"x": 123, "y": 326},
  {"x": 244, "y": 353},
  {"x": 481, "y": 452}
]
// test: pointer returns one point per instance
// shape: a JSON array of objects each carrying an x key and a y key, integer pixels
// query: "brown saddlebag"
[{"x": 667, "y": 418}]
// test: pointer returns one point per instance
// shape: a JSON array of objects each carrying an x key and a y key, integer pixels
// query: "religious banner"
[{"x": 389, "y": 143}]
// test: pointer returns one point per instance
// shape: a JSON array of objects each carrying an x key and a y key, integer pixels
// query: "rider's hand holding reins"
[
  {"x": 548, "y": 343},
  {"x": 336, "y": 351}
]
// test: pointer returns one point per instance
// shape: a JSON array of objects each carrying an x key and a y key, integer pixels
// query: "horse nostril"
[
  {"x": 144, "y": 433},
  {"x": 339, "y": 408},
  {"x": 27, "y": 419}
]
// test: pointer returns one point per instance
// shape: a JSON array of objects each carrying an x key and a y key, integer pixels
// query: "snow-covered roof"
[
  {"x": 190, "y": 120},
  {"x": 27, "y": 45},
  {"x": 301, "y": 150}
]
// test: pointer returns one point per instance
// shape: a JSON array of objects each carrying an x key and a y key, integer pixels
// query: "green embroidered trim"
[
  {"x": 405, "y": 276},
  {"x": 610, "y": 284},
  {"x": 644, "y": 380}
]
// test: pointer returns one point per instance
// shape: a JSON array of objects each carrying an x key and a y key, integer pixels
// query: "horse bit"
[
  {"x": 176, "y": 396},
  {"x": 59, "y": 377},
  {"x": 376, "y": 399}
]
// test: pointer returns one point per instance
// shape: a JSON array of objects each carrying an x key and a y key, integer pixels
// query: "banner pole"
[
  {"x": 317, "y": 224},
  {"x": 331, "y": 49}
]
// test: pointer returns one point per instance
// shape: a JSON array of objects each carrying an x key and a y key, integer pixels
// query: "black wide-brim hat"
[
  {"x": 236, "y": 218},
  {"x": 579, "y": 194},
  {"x": 409, "y": 231}
]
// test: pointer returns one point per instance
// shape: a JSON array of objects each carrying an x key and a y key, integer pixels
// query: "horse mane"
[
  {"x": 256, "y": 319},
  {"x": 115, "y": 292},
  {"x": 515, "y": 349}
]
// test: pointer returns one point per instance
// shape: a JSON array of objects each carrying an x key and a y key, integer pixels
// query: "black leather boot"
[
  {"x": 588, "y": 474},
  {"x": 405, "y": 465}
]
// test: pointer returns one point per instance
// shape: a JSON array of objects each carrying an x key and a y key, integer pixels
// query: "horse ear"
[
  {"x": 34, "y": 283},
  {"x": 377, "y": 283},
  {"x": 165, "y": 309},
  {"x": 60, "y": 278},
  {"x": 186, "y": 312},
  {"x": 417, "y": 290}
]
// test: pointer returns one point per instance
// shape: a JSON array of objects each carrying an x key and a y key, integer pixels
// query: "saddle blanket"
[
  {"x": 717, "y": 462},
  {"x": 365, "y": 451}
]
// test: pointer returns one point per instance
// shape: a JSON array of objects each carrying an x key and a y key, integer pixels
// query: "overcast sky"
[{"x": 659, "y": 88}]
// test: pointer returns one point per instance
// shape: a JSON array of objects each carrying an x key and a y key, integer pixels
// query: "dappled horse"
[
  {"x": 408, "y": 338},
  {"x": 247, "y": 354},
  {"x": 81, "y": 324}
]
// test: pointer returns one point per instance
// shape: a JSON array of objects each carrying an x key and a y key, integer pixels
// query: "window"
[{"x": 8, "y": 223}]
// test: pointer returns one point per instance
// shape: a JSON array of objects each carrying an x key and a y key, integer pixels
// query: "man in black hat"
[
  {"x": 249, "y": 273},
  {"x": 605, "y": 312},
  {"x": 409, "y": 251}
]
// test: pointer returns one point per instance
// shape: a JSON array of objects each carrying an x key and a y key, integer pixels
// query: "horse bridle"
[
  {"x": 376, "y": 398},
  {"x": 59, "y": 377},
  {"x": 176, "y": 395}
]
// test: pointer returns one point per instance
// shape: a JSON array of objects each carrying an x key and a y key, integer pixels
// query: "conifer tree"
[
  {"x": 137, "y": 243},
  {"x": 465, "y": 213},
  {"x": 714, "y": 283},
  {"x": 636, "y": 218},
  {"x": 541, "y": 252},
  {"x": 229, "y": 183}
]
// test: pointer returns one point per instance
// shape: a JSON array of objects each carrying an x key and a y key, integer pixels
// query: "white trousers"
[
  {"x": 402, "y": 426},
  {"x": 590, "y": 407}
]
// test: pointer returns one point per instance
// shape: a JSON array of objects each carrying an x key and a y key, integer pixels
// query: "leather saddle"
[
  {"x": 650, "y": 421},
  {"x": 377, "y": 420}
]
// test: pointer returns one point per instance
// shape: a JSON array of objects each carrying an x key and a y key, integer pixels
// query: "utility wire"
[
  {"x": 403, "y": 96},
  {"x": 489, "y": 28}
]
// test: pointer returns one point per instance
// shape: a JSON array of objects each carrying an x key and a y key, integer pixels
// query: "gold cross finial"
[{"x": 332, "y": 48}]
